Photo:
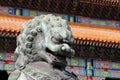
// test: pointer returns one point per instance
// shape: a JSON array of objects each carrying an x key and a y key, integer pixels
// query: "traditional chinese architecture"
[
  {"x": 105, "y": 9},
  {"x": 95, "y": 25},
  {"x": 102, "y": 39}
]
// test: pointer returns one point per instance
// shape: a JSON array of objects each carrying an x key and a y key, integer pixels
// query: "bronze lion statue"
[{"x": 42, "y": 48}]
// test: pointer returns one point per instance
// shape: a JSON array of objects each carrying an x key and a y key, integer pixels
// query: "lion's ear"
[{"x": 44, "y": 27}]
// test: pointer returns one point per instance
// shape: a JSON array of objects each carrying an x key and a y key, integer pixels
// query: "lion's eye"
[{"x": 55, "y": 40}]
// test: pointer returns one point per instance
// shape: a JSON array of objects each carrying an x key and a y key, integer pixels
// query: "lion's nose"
[
  {"x": 67, "y": 48},
  {"x": 63, "y": 48}
]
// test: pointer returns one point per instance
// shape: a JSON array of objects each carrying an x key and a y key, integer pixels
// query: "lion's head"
[{"x": 44, "y": 38}]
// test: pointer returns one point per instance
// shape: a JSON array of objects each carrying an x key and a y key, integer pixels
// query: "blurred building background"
[{"x": 97, "y": 43}]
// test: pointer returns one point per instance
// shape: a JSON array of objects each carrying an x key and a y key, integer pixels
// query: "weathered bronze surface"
[{"x": 42, "y": 49}]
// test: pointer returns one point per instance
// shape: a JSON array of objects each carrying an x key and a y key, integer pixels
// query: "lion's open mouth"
[
  {"x": 49, "y": 51},
  {"x": 59, "y": 61}
]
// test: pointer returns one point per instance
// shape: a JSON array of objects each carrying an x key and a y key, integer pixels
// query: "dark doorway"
[
  {"x": 3, "y": 75},
  {"x": 112, "y": 79}
]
